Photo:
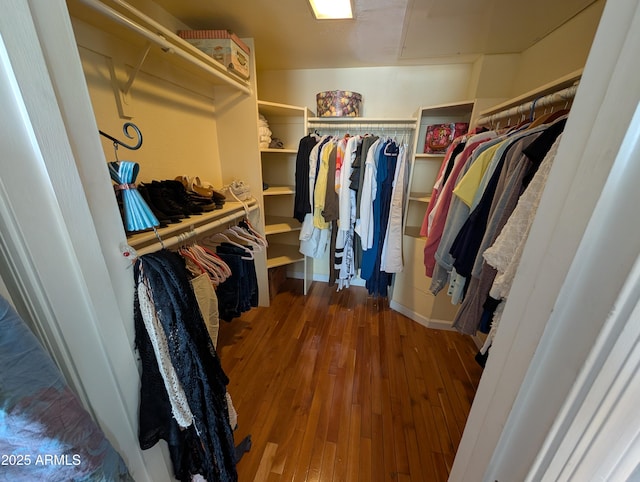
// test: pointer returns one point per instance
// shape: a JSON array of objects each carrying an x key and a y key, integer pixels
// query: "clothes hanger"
[
  {"x": 214, "y": 240},
  {"x": 207, "y": 261},
  {"x": 239, "y": 235},
  {"x": 219, "y": 270},
  {"x": 246, "y": 225},
  {"x": 252, "y": 238},
  {"x": 191, "y": 260}
]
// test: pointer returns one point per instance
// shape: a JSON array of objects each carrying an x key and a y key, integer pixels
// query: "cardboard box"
[
  {"x": 223, "y": 46},
  {"x": 277, "y": 277}
]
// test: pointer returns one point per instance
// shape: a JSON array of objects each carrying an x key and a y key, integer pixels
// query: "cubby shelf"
[
  {"x": 288, "y": 124},
  {"x": 425, "y": 166}
]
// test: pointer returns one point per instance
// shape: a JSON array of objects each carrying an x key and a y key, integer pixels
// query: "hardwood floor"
[{"x": 335, "y": 386}]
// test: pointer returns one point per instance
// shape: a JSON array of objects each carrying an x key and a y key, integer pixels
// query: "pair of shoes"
[
  {"x": 196, "y": 186},
  {"x": 202, "y": 188},
  {"x": 202, "y": 193},
  {"x": 170, "y": 201},
  {"x": 237, "y": 191},
  {"x": 156, "y": 202}
]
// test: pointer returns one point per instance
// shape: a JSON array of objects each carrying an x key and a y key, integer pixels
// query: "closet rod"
[
  {"x": 161, "y": 39},
  {"x": 194, "y": 232},
  {"x": 564, "y": 95}
]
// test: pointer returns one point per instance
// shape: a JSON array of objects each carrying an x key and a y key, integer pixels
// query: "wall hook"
[{"x": 125, "y": 129}]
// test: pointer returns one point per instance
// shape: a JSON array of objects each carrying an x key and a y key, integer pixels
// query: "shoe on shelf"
[
  {"x": 237, "y": 191},
  {"x": 184, "y": 180},
  {"x": 163, "y": 197},
  {"x": 162, "y": 216},
  {"x": 180, "y": 196},
  {"x": 202, "y": 188}
]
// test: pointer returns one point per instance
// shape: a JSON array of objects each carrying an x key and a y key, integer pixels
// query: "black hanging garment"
[
  {"x": 302, "y": 203},
  {"x": 239, "y": 292},
  {"x": 207, "y": 446}
]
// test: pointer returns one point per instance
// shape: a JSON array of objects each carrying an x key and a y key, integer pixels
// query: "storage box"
[
  {"x": 339, "y": 103},
  {"x": 223, "y": 46},
  {"x": 440, "y": 136},
  {"x": 277, "y": 277}
]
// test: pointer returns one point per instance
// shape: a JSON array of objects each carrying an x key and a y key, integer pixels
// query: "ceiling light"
[{"x": 327, "y": 9}]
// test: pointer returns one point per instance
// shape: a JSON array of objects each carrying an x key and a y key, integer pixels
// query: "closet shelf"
[
  {"x": 230, "y": 210},
  {"x": 361, "y": 120},
  {"x": 142, "y": 26},
  {"x": 422, "y": 155},
  {"x": 279, "y": 151},
  {"x": 278, "y": 191},
  {"x": 453, "y": 109},
  {"x": 423, "y": 197},
  {"x": 280, "y": 224},
  {"x": 549, "y": 88},
  {"x": 282, "y": 255},
  {"x": 277, "y": 109},
  {"x": 413, "y": 231}
]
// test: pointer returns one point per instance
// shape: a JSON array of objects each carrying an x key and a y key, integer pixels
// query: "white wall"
[
  {"x": 493, "y": 76},
  {"x": 386, "y": 91},
  {"x": 562, "y": 51},
  {"x": 177, "y": 119}
]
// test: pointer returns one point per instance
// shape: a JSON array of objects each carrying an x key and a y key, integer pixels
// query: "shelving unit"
[
  {"x": 149, "y": 38},
  {"x": 425, "y": 166},
  {"x": 287, "y": 123},
  {"x": 410, "y": 295},
  {"x": 140, "y": 58}
]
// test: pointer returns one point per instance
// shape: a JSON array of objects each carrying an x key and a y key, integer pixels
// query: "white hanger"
[
  {"x": 217, "y": 236},
  {"x": 243, "y": 235},
  {"x": 251, "y": 231}
]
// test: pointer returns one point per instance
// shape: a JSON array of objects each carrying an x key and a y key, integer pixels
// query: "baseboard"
[
  {"x": 357, "y": 281},
  {"x": 417, "y": 317}
]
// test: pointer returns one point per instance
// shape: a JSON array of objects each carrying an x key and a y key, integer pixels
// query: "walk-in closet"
[{"x": 242, "y": 243}]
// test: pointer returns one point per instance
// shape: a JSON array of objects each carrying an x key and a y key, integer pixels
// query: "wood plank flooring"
[{"x": 335, "y": 386}]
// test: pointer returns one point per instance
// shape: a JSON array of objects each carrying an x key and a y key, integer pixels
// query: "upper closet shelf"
[
  {"x": 153, "y": 32},
  {"x": 195, "y": 225},
  {"x": 454, "y": 109},
  {"x": 410, "y": 121},
  {"x": 267, "y": 108},
  {"x": 279, "y": 151},
  {"x": 563, "y": 82}
]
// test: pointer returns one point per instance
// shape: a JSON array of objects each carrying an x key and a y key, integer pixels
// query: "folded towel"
[{"x": 276, "y": 143}]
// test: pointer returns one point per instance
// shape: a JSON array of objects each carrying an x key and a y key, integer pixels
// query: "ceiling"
[{"x": 384, "y": 32}]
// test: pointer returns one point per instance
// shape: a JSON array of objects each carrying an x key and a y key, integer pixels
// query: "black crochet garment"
[{"x": 207, "y": 447}]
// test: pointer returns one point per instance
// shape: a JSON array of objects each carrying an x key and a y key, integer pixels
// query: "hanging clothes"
[
  {"x": 505, "y": 253},
  {"x": 392, "y": 248},
  {"x": 345, "y": 240},
  {"x": 459, "y": 211},
  {"x": 313, "y": 240},
  {"x": 206, "y": 447},
  {"x": 357, "y": 210},
  {"x": 302, "y": 202},
  {"x": 521, "y": 161},
  {"x": 357, "y": 180},
  {"x": 238, "y": 293},
  {"x": 433, "y": 224},
  {"x": 378, "y": 281}
]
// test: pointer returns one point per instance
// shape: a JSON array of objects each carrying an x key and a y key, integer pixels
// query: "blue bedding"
[{"x": 45, "y": 433}]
